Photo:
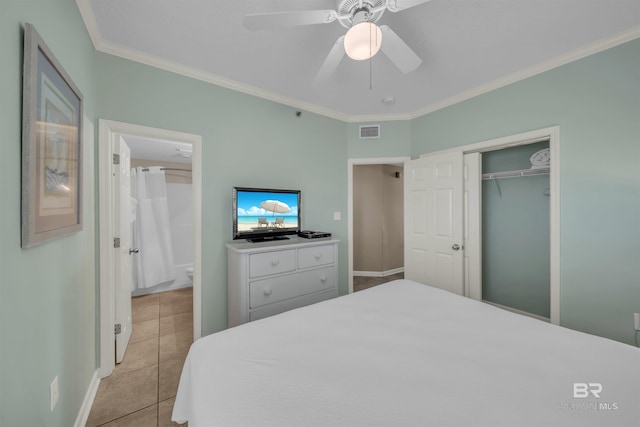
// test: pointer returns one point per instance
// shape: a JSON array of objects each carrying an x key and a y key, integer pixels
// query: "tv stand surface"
[
  {"x": 268, "y": 278},
  {"x": 267, "y": 239}
]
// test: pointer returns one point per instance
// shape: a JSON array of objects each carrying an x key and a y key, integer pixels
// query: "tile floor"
[
  {"x": 141, "y": 390},
  {"x": 362, "y": 282}
]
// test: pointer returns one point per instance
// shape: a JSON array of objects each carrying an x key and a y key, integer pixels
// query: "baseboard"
[
  {"x": 515, "y": 310},
  {"x": 379, "y": 273},
  {"x": 85, "y": 409}
]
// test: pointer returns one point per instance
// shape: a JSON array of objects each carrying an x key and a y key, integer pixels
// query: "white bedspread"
[{"x": 406, "y": 354}]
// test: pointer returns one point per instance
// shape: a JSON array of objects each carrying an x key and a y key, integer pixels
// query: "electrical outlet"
[
  {"x": 54, "y": 392},
  {"x": 337, "y": 216},
  {"x": 636, "y": 321}
]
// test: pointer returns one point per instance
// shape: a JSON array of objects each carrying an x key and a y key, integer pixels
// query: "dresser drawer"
[
  {"x": 268, "y": 291},
  {"x": 271, "y": 310},
  {"x": 315, "y": 256},
  {"x": 264, "y": 264}
]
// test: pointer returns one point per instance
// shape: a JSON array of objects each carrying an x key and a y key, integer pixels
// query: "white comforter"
[{"x": 406, "y": 354}]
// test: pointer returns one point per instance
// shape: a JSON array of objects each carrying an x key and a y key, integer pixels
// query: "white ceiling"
[
  {"x": 158, "y": 150},
  {"x": 468, "y": 47}
]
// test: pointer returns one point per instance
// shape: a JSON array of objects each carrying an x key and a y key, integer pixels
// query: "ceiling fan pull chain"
[
  {"x": 371, "y": 58},
  {"x": 370, "y": 84}
]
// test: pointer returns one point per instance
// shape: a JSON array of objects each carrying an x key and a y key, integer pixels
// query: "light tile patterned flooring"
[
  {"x": 362, "y": 282},
  {"x": 141, "y": 390}
]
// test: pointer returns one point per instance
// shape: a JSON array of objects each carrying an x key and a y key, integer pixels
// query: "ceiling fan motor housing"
[{"x": 359, "y": 12}]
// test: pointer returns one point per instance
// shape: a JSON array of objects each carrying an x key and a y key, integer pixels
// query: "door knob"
[
  {"x": 455, "y": 247},
  {"x": 133, "y": 251}
]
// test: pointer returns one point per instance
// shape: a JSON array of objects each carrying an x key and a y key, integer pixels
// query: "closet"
[
  {"x": 482, "y": 220},
  {"x": 516, "y": 228}
]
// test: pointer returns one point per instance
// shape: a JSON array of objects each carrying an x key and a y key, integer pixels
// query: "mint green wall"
[
  {"x": 394, "y": 141},
  {"x": 47, "y": 293},
  {"x": 596, "y": 103},
  {"x": 515, "y": 232},
  {"x": 247, "y": 141}
]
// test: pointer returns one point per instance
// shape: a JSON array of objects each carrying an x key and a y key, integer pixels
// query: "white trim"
[
  {"x": 350, "y": 165},
  {"x": 379, "y": 273},
  {"x": 472, "y": 225},
  {"x": 554, "y": 224},
  {"x": 101, "y": 45},
  {"x": 87, "y": 403},
  {"x": 107, "y": 130},
  {"x": 515, "y": 310},
  {"x": 500, "y": 142}
]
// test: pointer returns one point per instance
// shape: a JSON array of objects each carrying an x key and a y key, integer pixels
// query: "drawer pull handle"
[
  {"x": 318, "y": 255},
  {"x": 323, "y": 278},
  {"x": 267, "y": 291},
  {"x": 275, "y": 262}
]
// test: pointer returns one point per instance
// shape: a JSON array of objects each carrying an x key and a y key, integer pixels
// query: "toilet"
[{"x": 189, "y": 272}]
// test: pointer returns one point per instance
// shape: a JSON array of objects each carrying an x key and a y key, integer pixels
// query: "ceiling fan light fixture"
[{"x": 363, "y": 41}]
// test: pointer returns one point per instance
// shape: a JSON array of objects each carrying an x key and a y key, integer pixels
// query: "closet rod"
[
  {"x": 168, "y": 169},
  {"x": 515, "y": 174}
]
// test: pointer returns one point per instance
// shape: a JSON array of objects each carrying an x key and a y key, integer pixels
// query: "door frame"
[
  {"x": 552, "y": 134},
  {"x": 108, "y": 129},
  {"x": 351, "y": 163}
]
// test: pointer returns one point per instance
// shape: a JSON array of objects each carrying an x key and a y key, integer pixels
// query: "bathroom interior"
[{"x": 161, "y": 215}]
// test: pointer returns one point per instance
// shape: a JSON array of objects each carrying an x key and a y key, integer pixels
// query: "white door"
[
  {"x": 473, "y": 225},
  {"x": 122, "y": 264},
  {"x": 433, "y": 221}
]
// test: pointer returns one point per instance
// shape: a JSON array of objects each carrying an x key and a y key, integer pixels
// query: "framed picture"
[{"x": 51, "y": 146}]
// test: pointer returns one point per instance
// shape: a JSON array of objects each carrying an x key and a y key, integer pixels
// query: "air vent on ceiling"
[{"x": 369, "y": 131}]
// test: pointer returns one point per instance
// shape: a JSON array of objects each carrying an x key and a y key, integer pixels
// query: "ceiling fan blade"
[
  {"x": 269, "y": 21},
  {"x": 398, "y": 5},
  {"x": 331, "y": 62},
  {"x": 398, "y": 52}
]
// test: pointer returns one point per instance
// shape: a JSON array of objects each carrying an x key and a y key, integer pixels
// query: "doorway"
[
  {"x": 374, "y": 188},
  {"x": 108, "y": 132},
  {"x": 163, "y": 227}
]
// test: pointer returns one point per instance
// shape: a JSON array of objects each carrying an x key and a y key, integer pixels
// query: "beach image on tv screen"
[{"x": 266, "y": 210}]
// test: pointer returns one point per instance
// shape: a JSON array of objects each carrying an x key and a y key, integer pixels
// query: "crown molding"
[
  {"x": 101, "y": 45},
  {"x": 572, "y": 56}
]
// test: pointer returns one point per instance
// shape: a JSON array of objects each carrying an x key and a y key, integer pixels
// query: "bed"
[{"x": 407, "y": 354}]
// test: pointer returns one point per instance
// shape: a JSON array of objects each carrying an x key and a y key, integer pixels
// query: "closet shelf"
[{"x": 515, "y": 174}]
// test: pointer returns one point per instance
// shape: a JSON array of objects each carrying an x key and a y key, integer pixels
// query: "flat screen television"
[{"x": 265, "y": 214}]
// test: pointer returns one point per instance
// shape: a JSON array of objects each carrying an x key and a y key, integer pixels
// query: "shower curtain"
[{"x": 151, "y": 232}]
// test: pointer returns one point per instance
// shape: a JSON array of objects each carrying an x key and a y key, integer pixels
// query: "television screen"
[{"x": 261, "y": 214}]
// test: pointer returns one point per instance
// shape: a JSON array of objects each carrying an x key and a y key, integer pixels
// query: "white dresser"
[{"x": 268, "y": 278}]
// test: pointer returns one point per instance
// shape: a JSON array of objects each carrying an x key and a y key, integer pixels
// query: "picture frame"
[{"x": 51, "y": 146}]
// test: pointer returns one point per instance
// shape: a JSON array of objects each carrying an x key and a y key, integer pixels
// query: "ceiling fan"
[{"x": 363, "y": 38}]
